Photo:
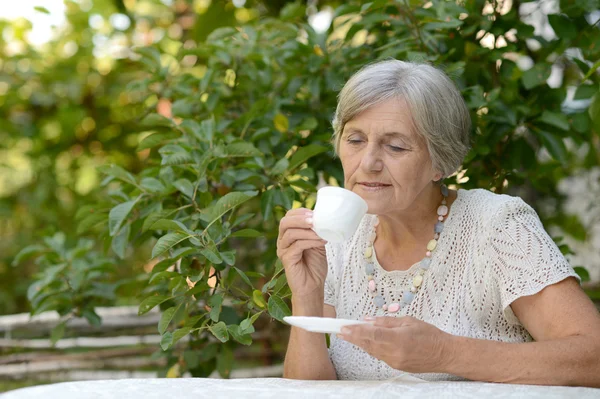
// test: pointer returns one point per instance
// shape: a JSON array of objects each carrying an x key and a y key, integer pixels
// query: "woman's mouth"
[{"x": 373, "y": 186}]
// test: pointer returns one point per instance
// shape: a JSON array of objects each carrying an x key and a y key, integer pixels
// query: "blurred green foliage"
[{"x": 176, "y": 160}]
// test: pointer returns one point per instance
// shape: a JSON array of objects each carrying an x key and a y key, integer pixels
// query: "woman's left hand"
[{"x": 404, "y": 343}]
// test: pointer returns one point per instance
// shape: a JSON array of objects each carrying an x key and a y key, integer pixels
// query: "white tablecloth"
[{"x": 259, "y": 388}]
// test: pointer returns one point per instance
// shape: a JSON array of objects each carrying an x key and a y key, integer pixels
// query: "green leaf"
[
  {"x": 155, "y": 139},
  {"x": 594, "y": 112},
  {"x": 166, "y": 341},
  {"x": 120, "y": 241},
  {"x": 168, "y": 224},
  {"x": 151, "y": 55},
  {"x": 219, "y": 330},
  {"x": 246, "y": 326},
  {"x": 281, "y": 123},
  {"x": 258, "y": 299},
  {"x": 228, "y": 257},
  {"x": 92, "y": 317},
  {"x": 215, "y": 302},
  {"x": 118, "y": 173},
  {"x": 211, "y": 255},
  {"x": 117, "y": 216},
  {"x": 278, "y": 308},
  {"x": 247, "y": 233},
  {"x": 225, "y": 362},
  {"x": 554, "y": 145},
  {"x": 536, "y": 76},
  {"x": 165, "y": 319},
  {"x": 28, "y": 252},
  {"x": 305, "y": 153},
  {"x": 149, "y": 303},
  {"x": 242, "y": 149},
  {"x": 185, "y": 186},
  {"x": 228, "y": 202},
  {"x": 292, "y": 11},
  {"x": 244, "y": 277},
  {"x": 167, "y": 242},
  {"x": 554, "y": 119},
  {"x": 43, "y": 10},
  {"x": 563, "y": 26},
  {"x": 155, "y": 217},
  {"x": 451, "y": 25},
  {"x": 57, "y": 332},
  {"x": 90, "y": 221},
  {"x": 152, "y": 184},
  {"x": 238, "y": 335},
  {"x": 180, "y": 333},
  {"x": 583, "y": 273},
  {"x": 280, "y": 167},
  {"x": 173, "y": 154},
  {"x": 591, "y": 71},
  {"x": 267, "y": 202},
  {"x": 585, "y": 91},
  {"x": 160, "y": 276}
]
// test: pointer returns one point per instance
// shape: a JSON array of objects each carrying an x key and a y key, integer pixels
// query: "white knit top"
[{"x": 493, "y": 250}]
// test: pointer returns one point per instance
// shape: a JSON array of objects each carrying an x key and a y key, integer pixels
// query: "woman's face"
[{"x": 384, "y": 160}]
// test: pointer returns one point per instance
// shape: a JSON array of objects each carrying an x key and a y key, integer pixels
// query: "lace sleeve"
[
  {"x": 523, "y": 257},
  {"x": 334, "y": 264}
]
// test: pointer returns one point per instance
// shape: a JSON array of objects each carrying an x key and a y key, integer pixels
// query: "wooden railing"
[{"x": 121, "y": 347}]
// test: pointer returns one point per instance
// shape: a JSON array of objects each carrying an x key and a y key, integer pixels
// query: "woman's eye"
[
  {"x": 354, "y": 141},
  {"x": 395, "y": 148}
]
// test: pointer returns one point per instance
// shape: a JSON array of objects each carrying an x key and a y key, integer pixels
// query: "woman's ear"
[{"x": 438, "y": 176}]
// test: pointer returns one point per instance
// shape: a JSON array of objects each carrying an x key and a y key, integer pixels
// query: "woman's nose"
[{"x": 371, "y": 160}]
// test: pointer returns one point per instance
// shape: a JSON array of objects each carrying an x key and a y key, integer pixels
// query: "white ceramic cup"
[{"x": 337, "y": 213}]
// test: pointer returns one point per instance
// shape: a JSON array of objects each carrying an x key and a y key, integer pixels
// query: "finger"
[
  {"x": 306, "y": 244},
  {"x": 300, "y": 221},
  {"x": 368, "y": 332},
  {"x": 368, "y": 345},
  {"x": 389, "y": 322},
  {"x": 292, "y": 235},
  {"x": 298, "y": 211}
]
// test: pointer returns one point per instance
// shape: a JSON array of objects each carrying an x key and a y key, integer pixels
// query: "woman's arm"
[
  {"x": 560, "y": 317},
  {"x": 566, "y": 327},
  {"x": 307, "y": 357}
]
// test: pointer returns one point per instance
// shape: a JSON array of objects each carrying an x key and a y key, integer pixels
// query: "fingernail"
[
  {"x": 340, "y": 336},
  {"x": 369, "y": 318},
  {"x": 309, "y": 213},
  {"x": 309, "y": 220},
  {"x": 345, "y": 331}
]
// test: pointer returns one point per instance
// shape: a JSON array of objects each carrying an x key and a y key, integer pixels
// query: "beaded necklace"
[{"x": 408, "y": 295}]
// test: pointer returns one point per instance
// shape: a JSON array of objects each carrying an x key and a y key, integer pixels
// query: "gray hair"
[{"x": 438, "y": 110}]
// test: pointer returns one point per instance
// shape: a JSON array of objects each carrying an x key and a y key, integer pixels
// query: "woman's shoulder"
[{"x": 488, "y": 203}]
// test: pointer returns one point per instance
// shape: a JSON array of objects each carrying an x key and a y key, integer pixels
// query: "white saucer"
[{"x": 321, "y": 324}]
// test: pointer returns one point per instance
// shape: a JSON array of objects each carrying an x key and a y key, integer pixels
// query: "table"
[{"x": 258, "y": 388}]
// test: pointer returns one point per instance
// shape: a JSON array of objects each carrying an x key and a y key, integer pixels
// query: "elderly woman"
[{"x": 456, "y": 284}]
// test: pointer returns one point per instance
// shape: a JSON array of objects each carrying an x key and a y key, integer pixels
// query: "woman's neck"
[{"x": 410, "y": 227}]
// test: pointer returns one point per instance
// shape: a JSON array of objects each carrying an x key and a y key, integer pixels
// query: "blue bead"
[
  {"x": 425, "y": 262},
  {"x": 407, "y": 297},
  {"x": 379, "y": 302},
  {"x": 444, "y": 189},
  {"x": 439, "y": 227},
  {"x": 369, "y": 268}
]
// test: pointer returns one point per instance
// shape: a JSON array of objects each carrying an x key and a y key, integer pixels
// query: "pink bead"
[
  {"x": 442, "y": 210},
  {"x": 385, "y": 307},
  {"x": 393, "y": 308},
  {"x": 436, "y": 236},
  {"x": 372, "y": 285},
  {"x": 428, "y": 253},
  {"x": 441, "y": 218}
]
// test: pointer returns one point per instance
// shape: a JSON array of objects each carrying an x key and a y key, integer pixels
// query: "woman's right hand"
[{"x": 302, "y": 253}]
